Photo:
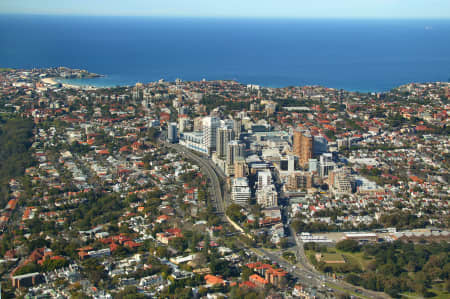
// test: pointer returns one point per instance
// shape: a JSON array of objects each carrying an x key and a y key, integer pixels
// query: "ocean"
[{"x": 357, "y": 55}]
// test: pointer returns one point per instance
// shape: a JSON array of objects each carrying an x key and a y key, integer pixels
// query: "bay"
[{"x": 359, "y": 55}]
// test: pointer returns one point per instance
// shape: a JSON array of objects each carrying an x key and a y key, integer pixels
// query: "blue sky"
[{"x": 236, "y": 8}]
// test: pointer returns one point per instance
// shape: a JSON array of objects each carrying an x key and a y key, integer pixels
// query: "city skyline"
[{"x": 382, "y": 9}]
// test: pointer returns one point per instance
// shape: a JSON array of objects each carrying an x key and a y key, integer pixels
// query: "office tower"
[
  {"x": 172, "y": 132},
  {"x": 237, "y": 128},
  {"x": 320, "y": 145},
  {"x": 209, "y": 128},
  {"x": 224, "y": 136},
  {"x": 235, "y": 151},
  {"x": 326, "y": 164},
  {"x": 303, "y": 146}
]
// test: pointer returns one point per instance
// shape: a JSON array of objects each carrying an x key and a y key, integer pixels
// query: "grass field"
[
  {"x": 357, "y": 257},
  {"x": 333, "y": 257}
]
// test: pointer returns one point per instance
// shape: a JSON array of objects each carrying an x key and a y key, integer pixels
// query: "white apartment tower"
[
  {"x": 240, "y": 191},
  {"x": 209, "y": 128},
  {"x": 264, "y": 179}
]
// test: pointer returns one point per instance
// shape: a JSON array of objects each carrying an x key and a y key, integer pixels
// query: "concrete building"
[
  {"x": 240, "y": 168},
  {"x": 172, "y": 134},
  {"x": 193, "y": 141},
  {"x": 184, "y": 124},
  {"x": 235, "y": 151},
  {"x": 224, "y": 136},
  {"x": 267, "y": 196},
  {"x": 240, "y": 191},
  {"x": 299, "y": 181},
  {"x": 326, "y": 164},
  {"x": 313, "y": 165},
  {"x": 288, "y": 163},
  {"x": 303, "y": 146},
  {"x": 320, "y": 145},
  {"x": 340, "y": 182},
  {"x": 264, "y": 179},
  {"x": 209, "y": 129},
  {"x": 27, "y": 280},
  {"x": 198, "y": 124},
  {"x": 237, "y": 128}
]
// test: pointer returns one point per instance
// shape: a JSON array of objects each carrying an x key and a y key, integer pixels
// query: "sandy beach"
[
  {"x": 54, "y": 81},
  {"x": 49, "y": 81}
]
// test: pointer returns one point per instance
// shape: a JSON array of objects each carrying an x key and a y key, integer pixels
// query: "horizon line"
[{"x": 224, "y": 17}]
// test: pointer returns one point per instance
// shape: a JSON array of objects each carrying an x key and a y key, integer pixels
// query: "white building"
[
  {"x": 326, "y": 164},
  {"x": 264, "y": 179},
  {"x": 267, "y": 197},
  {"x": 209, "y": 128},
  {"x": 240, "y": 191},
  {"x": 193, "y": 141}
]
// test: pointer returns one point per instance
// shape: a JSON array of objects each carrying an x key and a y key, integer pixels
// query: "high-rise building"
[
  {"x": 235, "y": 151},
  {"x": 291, "y": 163},
  {"x": 224, "y": 136},
  {"x": 138, "y": 92},
  {"x": 209, "y": 128},
  {"x": 303, "y": 146},
  {"x": 320, "y": 145},
  {"x": 240, "y": 191},
  {"x": 326, "y": 164},
  {"x": 237, "y": 128},
  {"x": 172, "y": 132},
  {"x": 264, "y": 179}
]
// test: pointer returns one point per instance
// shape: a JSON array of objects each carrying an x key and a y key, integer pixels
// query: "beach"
[{"x": 54, "y": 81}]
